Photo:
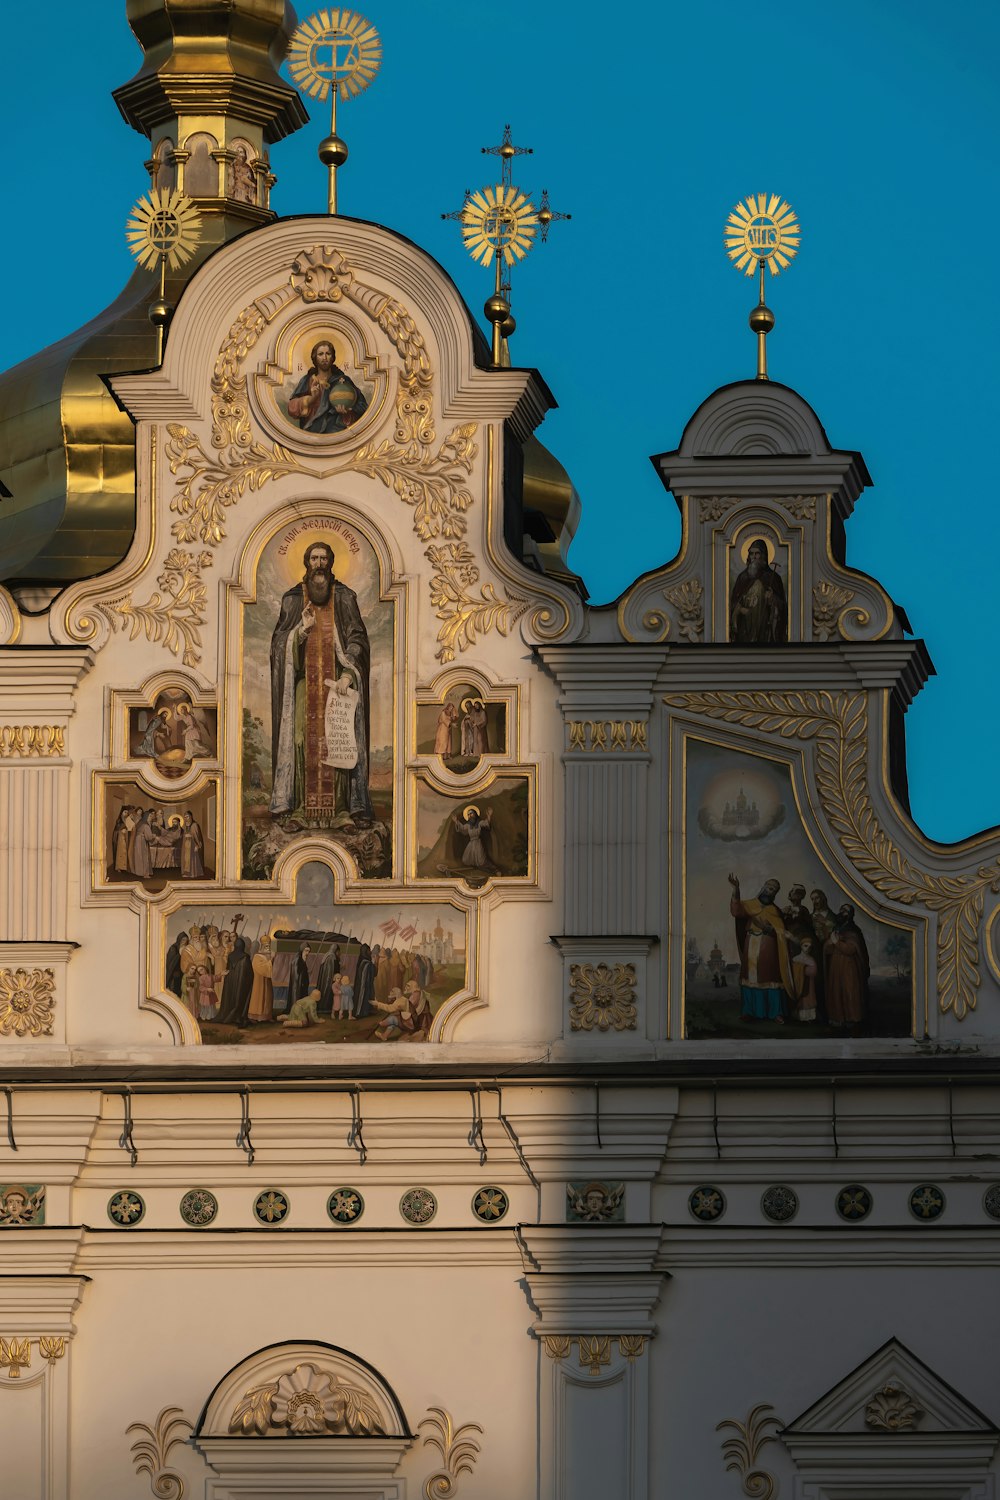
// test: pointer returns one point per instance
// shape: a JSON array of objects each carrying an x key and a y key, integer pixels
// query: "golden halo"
[
  {"x": 765, "y": 229},
  {"x": 334, "y": 45},
  {"x": 164, "y": 224},
  {"x": 470, "y": 809},
  {"x": 465, "y": 704},
  {"x": 176, "y": 821},
  {"x": 498, "y": 220}
]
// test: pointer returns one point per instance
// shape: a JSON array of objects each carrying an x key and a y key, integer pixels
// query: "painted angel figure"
[
  {"x": 18, "y": 1206},
  {"x": 594, "y": 1202}
]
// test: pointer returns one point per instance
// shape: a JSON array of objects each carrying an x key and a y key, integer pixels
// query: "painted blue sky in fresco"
[{"x": 875, "y": 118}]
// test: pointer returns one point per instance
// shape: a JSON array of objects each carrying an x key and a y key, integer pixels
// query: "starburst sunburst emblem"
[
  {"x": 762, "y": 229},
  {"x": 334, "y": 46},
  {"x": 498, "y": 221},
  {"x": 164, "y": 226}
]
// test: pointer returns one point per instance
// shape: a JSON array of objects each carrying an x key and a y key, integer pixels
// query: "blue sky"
[{"x": 877, "y": 121}]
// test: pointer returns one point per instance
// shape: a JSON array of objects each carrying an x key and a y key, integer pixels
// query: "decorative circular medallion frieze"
[
  {"x": 854, "y": 1202},
  {"x": 199, "y": 1207},
  {"x": 271, "y": 1206},
  {"x": 779, "y": 1203},
  {"x": 991, "y": 1200},
  {"x": 125, "y": 1208},
  {"x": 418, "y": 1205},
  {"x": 926, "y": 1202},
  {"x": 345, "y": 1205},
  {"x": 707, "y": 1203},
  {"x": 490, "y": 1204}
]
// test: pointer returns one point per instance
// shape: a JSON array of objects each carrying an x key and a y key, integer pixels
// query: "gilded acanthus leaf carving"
[
  {"x": 828, "y": 600},
  {"x": 463, "y": 613},
  {"x": 213, "y": 484},
  {"x": 174, "y": 617},
  {"x": 431, "y": 482},
  {"x": 838, "y": 722}
]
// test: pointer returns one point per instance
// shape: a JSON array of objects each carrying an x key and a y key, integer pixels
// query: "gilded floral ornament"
[
  {"x": 27, "y": 1001},
  {"x": 838, "y": 723},
  {"x": 892, "y": 1409},
  {"x": 307, "y": 1402},
  {"x": 457, "y": 1447},
  {"x": 828, "y": 601},
  {"x": 602, "y": 995},
  {"x": 688, "y": 599},
  {"x": 742, "y": 1452},
  {"x": 15, "y": 1356},
  {"x": 174, "y": 616},
  {"x": 151, "y": 1451},
  {"x": 428, "y": 476}
]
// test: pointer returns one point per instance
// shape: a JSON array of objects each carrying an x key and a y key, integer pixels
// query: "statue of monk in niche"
[{"x": 758, "y": 610}]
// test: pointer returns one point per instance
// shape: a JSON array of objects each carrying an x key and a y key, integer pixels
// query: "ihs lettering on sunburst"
[
  {"x": 332, "y": 55},
  {"x": 762, "y": 234},
  {"x": 499, "y": 225},
  {"x": 164, "y": 230}
]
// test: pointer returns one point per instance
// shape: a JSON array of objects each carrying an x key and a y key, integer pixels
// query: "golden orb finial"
[
  {"x": 335, "y": 53},
  {"x": 498, "y": 227},
  {"x": 762, "y": 234},
  {"x": 164, "y": 230}
]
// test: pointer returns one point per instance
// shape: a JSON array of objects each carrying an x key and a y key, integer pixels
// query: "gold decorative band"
[
  {"x": 607, "y": 734},
  {"x": 32, "y": 739}
]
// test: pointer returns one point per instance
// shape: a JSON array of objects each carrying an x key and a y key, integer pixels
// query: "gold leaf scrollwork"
[
  {"x": 838, "y": 722},
  {"x": 828, "y": 600},
  {"x": 462, "y": 612},
  {"x": 431, "y": 482},
  {"x": 27, "y": 1001},
  {"x": 212, "y": 485},
  {"x": 457, "y": 1447},
  {"x": 743, "y": 1451},
  {"x": 602, "y": 995},
  {"x": 174, "y": 617},
  {"x": 688, "y": 598},
  {"x": 151, "y": 1451}
]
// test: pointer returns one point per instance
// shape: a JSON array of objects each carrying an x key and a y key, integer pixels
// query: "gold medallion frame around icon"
[{"x": 321, "y": 382}]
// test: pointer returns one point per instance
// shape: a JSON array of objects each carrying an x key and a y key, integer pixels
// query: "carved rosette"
[
  {"x": 27, "y": 1002},
  {"x": 602, "y": 996}
]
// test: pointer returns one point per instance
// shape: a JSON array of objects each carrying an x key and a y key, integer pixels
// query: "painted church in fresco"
[{"x": 457, "y": 1041}]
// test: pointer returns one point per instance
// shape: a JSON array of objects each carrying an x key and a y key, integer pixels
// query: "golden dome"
[
  {"x": 551, "y": 510},
  {"x": 210, "y": 98}
]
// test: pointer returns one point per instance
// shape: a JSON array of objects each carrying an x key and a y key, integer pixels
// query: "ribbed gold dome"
[
  {"x": 209, "y": 96},
  {"x": 551, "y": 508}
]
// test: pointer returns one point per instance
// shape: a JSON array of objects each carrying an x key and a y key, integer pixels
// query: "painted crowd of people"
[
  {"x": 224, "y": 977},
  {"x": 799, "y": 962},
  {"x": 145, "y": 841}
]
